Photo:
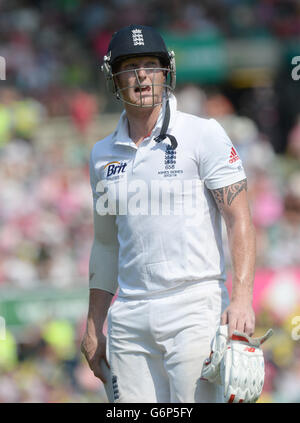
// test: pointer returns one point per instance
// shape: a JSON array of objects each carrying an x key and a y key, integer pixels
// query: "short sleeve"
[
  {"x": 105, "y": 229},
  {"x": 220, "y": 162}
]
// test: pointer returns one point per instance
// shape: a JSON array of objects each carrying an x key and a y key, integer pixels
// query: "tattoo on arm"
[{"x": 226, "y": 195}]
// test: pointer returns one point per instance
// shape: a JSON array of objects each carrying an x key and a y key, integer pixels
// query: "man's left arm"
[{"x": 233, "y": 205}]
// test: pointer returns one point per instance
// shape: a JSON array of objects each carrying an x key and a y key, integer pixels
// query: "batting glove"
[{"x": 237, "y": 364}]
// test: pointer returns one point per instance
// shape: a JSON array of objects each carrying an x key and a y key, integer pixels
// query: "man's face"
[{"x": 140, "y": 81}]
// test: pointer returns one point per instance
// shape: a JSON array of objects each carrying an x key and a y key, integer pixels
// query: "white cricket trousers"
[{"x": 157, "y": 346}]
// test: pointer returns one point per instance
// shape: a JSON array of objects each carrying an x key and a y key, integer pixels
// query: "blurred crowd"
[
  {"x": 52, "y": 49},
  {"x": 45, "y": 208},
  {"x": 44, "y": 365}
]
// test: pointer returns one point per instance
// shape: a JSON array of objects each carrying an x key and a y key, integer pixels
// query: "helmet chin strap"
[{"x": 163, "y": 132}]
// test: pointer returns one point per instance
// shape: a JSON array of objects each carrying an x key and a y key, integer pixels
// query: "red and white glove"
[{"x": 237, "y": 364}]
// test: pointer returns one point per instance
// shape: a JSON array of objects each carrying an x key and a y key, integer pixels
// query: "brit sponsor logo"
[{"x": 115, "y": 168}]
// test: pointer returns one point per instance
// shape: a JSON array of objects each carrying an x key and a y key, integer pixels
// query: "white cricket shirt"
[{"x": 156, "y": 211}]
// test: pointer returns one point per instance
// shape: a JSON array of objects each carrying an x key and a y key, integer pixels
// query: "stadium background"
[{"x": 233, "y": 64}]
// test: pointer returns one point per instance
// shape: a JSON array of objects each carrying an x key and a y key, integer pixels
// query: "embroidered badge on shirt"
[{"x": 170, "y": 163}]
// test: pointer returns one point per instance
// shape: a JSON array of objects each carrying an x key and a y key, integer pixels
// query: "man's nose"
[{"x": 141, "y": 72}]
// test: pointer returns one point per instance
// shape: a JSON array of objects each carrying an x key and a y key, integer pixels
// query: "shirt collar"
[
  {"x": 173, "y": 109},
  {"x": 121, "y": 136}
]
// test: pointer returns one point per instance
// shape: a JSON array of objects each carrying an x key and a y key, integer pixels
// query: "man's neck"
[{"x": 141, "y": 122}]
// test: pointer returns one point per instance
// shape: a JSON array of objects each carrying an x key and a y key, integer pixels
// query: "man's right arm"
[
  {"x": 103, "y": 285},
  {"x": 103, "y": 276},
  {"x": 103, "y": 266},
  {"x": 93, "y": 345}
]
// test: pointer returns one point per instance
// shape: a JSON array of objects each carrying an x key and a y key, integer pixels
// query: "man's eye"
[{"x": 131, "y": 66}]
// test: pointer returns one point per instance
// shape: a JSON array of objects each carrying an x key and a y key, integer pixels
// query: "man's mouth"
[{"x": 145, "y": 89}]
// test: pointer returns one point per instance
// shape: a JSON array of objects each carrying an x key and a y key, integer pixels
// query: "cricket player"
[{"x": 161, "y": 183}]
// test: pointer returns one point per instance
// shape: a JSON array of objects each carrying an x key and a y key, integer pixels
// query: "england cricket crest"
[
  {"x": 170, "y": 163},
  {"x": 137, "y": 37}
]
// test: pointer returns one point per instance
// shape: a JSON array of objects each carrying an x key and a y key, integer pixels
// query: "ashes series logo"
[{"x": 170, "y": 163}]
